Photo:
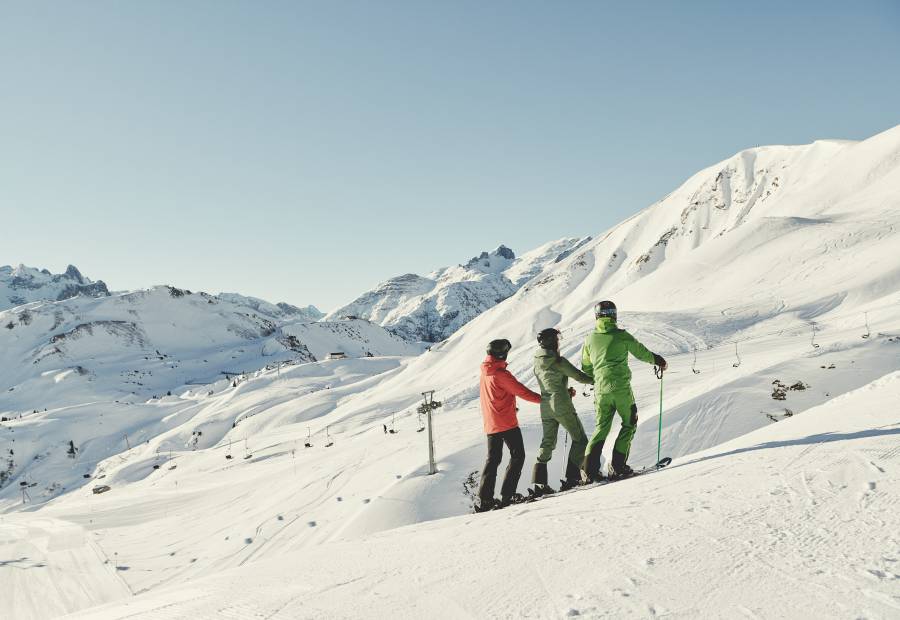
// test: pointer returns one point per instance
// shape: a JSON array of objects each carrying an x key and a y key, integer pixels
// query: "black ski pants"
[{"x": 513, "y": 440}]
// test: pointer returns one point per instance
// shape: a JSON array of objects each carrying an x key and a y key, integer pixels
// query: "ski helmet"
[
  {"x": 499, "y": 348},
  {"x": 549, "y": 338},
  {"x": 605, "y": 309}
]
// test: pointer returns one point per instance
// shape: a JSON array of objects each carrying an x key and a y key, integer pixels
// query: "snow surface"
[
  {"x": 798, "y": 520},
  {"x": 755, "y": 518}
]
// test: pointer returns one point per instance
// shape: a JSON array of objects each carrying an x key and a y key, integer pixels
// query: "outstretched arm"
[
  {"x": 573, "y": 373},
  {"x": 512, "y": 385},
  {"x": 643, "y": 353}
]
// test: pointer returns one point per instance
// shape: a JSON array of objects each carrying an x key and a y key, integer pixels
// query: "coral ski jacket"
[{"x": 498, "y": 396}]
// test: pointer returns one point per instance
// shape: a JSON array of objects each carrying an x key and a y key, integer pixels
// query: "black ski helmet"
[
  {"x": 549, "y": 338},
  {"x": 499, "y": 348},
  {"x": 605, "y": 309}
]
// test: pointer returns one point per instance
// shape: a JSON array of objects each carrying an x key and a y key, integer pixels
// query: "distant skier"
[
  {"x": 553, "y": 373},
  {"x": 498, "y": 407},
  {"x": 605, "y": 357}
]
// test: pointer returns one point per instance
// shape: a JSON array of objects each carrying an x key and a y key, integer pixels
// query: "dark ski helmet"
[
  {"x": 499, "y": 348},
  {"x": 605, "y": 309},
  {"x": 549, "y": 338}
]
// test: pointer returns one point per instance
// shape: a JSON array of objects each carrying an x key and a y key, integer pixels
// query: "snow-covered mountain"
[
  {"x": 431, "y": 308},
  {"x": 21, "y": 285},
  {"x": 136, "y": 345},
  {"x": 769, "y": 281}
]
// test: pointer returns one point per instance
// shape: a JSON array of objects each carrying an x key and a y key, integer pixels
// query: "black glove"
[{"x": 659, "y": 361}]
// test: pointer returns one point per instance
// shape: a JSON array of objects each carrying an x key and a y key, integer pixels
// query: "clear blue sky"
[{"x": 307, "y": 151}]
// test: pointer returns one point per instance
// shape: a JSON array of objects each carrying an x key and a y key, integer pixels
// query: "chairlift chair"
[{"x": 737, "y": 355}]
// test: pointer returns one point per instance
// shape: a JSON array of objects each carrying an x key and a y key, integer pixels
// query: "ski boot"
[
  {"x": 484, "y": 506},
  {"x": 590, "y": 466},
  {"x": 618, "y": 468},
  {"x": 507, "y": 500},
  {"x": 539, "y": 479},
  {"x": 573, "y": 477}
]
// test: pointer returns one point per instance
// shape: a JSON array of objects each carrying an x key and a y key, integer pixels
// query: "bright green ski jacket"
[
  {"x": 605, "y": 356},
  {"x": 553, "y": 374}
]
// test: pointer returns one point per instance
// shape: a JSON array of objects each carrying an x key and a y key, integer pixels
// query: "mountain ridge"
[{"x": 431, "y": 308}]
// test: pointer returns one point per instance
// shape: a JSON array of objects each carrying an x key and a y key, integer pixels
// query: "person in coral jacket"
[{"x": 499, "y": 390}]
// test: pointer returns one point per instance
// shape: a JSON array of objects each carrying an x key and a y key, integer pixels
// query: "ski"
[{"x": 534, "y": 497}]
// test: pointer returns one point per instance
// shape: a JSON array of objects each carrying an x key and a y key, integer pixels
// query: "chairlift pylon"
[
  {"x": 328, "y": 438},
  {"x": 813, "y": 341},
  {"x": 868, "y": 331},
  {"x": 392, "y": 430},
  {"x": 694, "y": 364},
  {"x": 308, "y": 443}
]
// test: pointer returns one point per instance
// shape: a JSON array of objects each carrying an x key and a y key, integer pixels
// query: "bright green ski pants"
[{"x": 607, "y": 405}]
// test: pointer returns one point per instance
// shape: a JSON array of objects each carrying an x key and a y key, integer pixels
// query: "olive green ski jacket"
[
  {"x": 605, "y": 356},
  {"x": 553, "y": 373}
]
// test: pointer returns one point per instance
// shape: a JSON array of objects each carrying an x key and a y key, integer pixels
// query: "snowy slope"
[
  {"x": 22, "y": 285},
  {"x": 432, "y": 308},
  {"x": 751, "y": 252},
  {"x": 799, "y": 520},
  {"x": 108, "y": 373},
  {"x": 139, "y": 344}
]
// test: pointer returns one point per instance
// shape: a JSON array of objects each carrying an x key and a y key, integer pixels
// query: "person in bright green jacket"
[
  {"x": 553, "y": 372},
  {"x": 605, "y": 357}
]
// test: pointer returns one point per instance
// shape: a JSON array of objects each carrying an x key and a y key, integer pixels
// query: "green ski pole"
[{"x": 659, "y": 435}]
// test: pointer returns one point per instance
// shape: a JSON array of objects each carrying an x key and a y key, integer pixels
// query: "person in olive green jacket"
[
  {"x": 553, "y": 373},
  {"x": 605, "y": 357}
]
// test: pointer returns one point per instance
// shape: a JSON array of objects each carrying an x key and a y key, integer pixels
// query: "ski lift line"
[
  {"x": 758, "y": 337},
  {"x": 830, "y": 319},
  {"x": 795, "y": 326}
]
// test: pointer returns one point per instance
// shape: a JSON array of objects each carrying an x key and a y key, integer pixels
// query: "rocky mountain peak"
[{"x": 73, "y": 274}]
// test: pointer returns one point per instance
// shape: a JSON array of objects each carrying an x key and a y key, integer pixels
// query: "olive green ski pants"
[
  {"x": 621, "y": 401},
  {"x": 573, "y": 426}
]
